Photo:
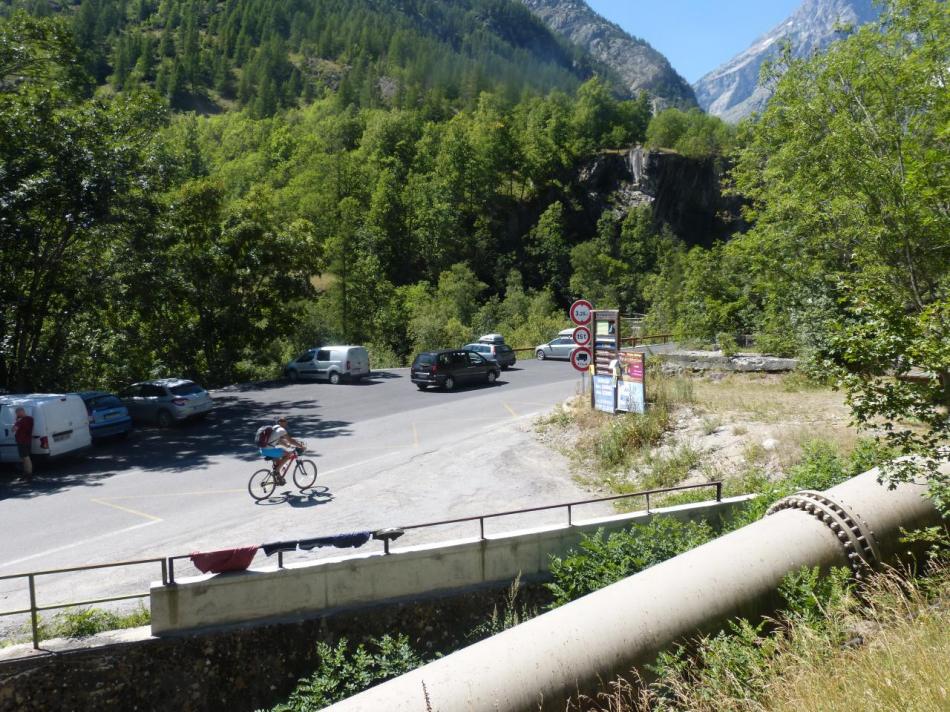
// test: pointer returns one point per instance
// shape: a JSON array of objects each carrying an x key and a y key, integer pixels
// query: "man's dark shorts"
[{"x": 24, "y": 450}]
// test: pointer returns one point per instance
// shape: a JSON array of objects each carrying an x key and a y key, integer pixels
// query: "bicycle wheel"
[
  {"x": 305, "y": 474},
  {"x": 262, "y": 484}
]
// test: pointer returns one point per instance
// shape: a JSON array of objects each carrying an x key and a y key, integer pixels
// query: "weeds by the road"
[
  {"x": 701, "y": 429},
  {"x": 82, "y": 623}
]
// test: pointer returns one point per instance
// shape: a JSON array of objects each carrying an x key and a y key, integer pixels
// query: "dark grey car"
[
  {"x": 451, "y": 368},
  {"x": 166, "y": 401}
]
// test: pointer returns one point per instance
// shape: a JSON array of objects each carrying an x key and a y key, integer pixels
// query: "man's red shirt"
[{"x": 23, "y": 430}]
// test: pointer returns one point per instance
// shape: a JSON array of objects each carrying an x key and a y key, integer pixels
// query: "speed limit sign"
[
  {"x": 581, "y": 358},
  {"x": 581, "y": 312}
]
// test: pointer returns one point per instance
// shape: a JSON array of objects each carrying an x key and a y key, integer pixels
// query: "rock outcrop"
[
  {"x": 684, "y": 193},
  {"x": 640, "y": 67},
  {"x": 733, "y": 92}
]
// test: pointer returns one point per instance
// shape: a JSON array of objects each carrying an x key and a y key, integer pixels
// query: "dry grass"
[
  {"x": 770, "y": 399},
  {"x": 728, "y": 427},
  {"x": 889, "y": 654}
]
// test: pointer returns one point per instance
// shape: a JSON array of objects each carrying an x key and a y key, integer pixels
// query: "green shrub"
[
  {"x": 605, "y": 559},
  {"x": 628, "y": 434},
  {"x": 83, "y": 622},
  {"x": 727, "y": 343},
  {"x": 344, "y": 671},
  {"x": 807, "y": 593},
  {"x": 822, "y": 466},
  {"x": 671, "y": 468}
]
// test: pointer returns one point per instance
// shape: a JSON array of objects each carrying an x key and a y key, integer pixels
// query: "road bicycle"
[{"x": 263, "y": 482}]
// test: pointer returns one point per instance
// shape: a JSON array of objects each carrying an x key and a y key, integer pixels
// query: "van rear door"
[
  {"x": 357, "y": 361},
  {"x": 66, "y": 425}
]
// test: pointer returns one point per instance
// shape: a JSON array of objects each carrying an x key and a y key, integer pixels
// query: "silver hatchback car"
[
  {"x": 561, "y": 347},
  {"x": 166, "y": 401}
]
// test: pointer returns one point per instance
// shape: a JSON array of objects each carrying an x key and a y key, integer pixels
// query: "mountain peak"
[
  {"x": 732, "y": 91},
  {"x": 639, "y": 66}
]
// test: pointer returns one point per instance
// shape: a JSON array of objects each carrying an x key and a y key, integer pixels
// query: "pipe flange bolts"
[{"x": 853, "y": 533}]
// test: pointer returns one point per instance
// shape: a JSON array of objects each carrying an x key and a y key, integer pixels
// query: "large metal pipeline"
[{"x": 574, "y": 648}]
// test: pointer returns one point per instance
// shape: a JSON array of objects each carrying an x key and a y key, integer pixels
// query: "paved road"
[{"x": 388, "y": 455}]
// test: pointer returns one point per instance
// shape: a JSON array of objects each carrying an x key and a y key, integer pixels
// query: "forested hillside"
[
  {"x": 139, "y": 241},
  {"x": 263, "y": 56}
]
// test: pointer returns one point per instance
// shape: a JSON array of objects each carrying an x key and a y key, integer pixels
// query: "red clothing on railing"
[{"x": 217, "y": 562}]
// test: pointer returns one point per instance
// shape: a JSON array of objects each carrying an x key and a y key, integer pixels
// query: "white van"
[
  {"x": 60, "y": 424},
  {"x": 330, "y": 363}
]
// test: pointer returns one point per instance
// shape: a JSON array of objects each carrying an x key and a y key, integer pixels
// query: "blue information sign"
[{"x": 604, "y": 393}]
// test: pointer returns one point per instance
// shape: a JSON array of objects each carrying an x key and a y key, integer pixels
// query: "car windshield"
[
  {"x": 106, "y": 402},
  {"x": 425, "y": 359},
  {"x": 185, "y": 389}
]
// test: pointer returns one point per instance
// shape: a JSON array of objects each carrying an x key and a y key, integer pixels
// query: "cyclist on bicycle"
[{"x": 280, "y": 445}]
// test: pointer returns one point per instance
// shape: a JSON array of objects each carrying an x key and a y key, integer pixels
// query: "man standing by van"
[{"x": 23, "y": 434}]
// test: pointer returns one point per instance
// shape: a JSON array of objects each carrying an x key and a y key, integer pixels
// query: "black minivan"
[{"x": 451, "y": 368}]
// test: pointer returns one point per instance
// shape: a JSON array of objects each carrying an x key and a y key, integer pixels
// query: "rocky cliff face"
[
  {"x": 684, "y": 193},
  {"x": 732, "y": 91},
  {"x": 639, "y": 65}
]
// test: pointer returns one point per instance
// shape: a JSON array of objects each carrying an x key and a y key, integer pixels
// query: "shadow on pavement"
[
  {"x": 226, "y": 431},
  {"x": 310, "y": 497}
]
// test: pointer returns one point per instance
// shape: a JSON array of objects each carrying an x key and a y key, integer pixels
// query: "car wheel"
[
  {"x": 334, "y": 378},
  {"x": 421, "y": 386},
  {"x": 540, "y": 354},
  {"x": 164, "y": 419},
  {"x": 449, "y": 383},
  {"x": 293, "y": 376},
  {"x": 492, "y": 377}
]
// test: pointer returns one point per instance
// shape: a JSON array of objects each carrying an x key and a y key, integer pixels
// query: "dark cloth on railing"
[
  {"x": 276, "y": 546},
  {"x": 352, "y": 540},
  {"x": 217, "y": 562}
]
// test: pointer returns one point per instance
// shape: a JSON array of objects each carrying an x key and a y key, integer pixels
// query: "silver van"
[{"x": 330, "y": 363}]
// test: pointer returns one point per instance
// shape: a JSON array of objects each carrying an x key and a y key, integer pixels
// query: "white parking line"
[{"x": 75, "y": 544}]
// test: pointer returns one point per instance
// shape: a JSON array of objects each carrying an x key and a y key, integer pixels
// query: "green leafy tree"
[
  {"x": 548, "y": 247},
  {"x": 76, "y": 178},
  {"x": 692, "y": 133},
  {"x": 847, "y": 170}
]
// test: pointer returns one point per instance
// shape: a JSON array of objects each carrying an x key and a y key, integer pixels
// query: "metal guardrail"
[
  {"x": 633, "y": 340},
  {"x": 569, "y": 506},
  {"x": 34, "y": 609},
  {"x": 385, "y": 535}
]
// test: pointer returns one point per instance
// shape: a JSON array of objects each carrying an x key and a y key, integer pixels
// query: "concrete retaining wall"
[
  {"x": 310, "y": 589},
  {"x": 716, "y": 361}
]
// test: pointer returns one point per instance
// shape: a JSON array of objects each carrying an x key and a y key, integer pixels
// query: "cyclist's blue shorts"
[{"x": 274, "y": 452}]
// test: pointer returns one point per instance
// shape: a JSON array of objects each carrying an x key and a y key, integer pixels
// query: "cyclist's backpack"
[{"x": 262, "y": 438}]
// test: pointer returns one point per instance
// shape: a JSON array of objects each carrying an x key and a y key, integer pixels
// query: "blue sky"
[{"x": 696, "y": 35}]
